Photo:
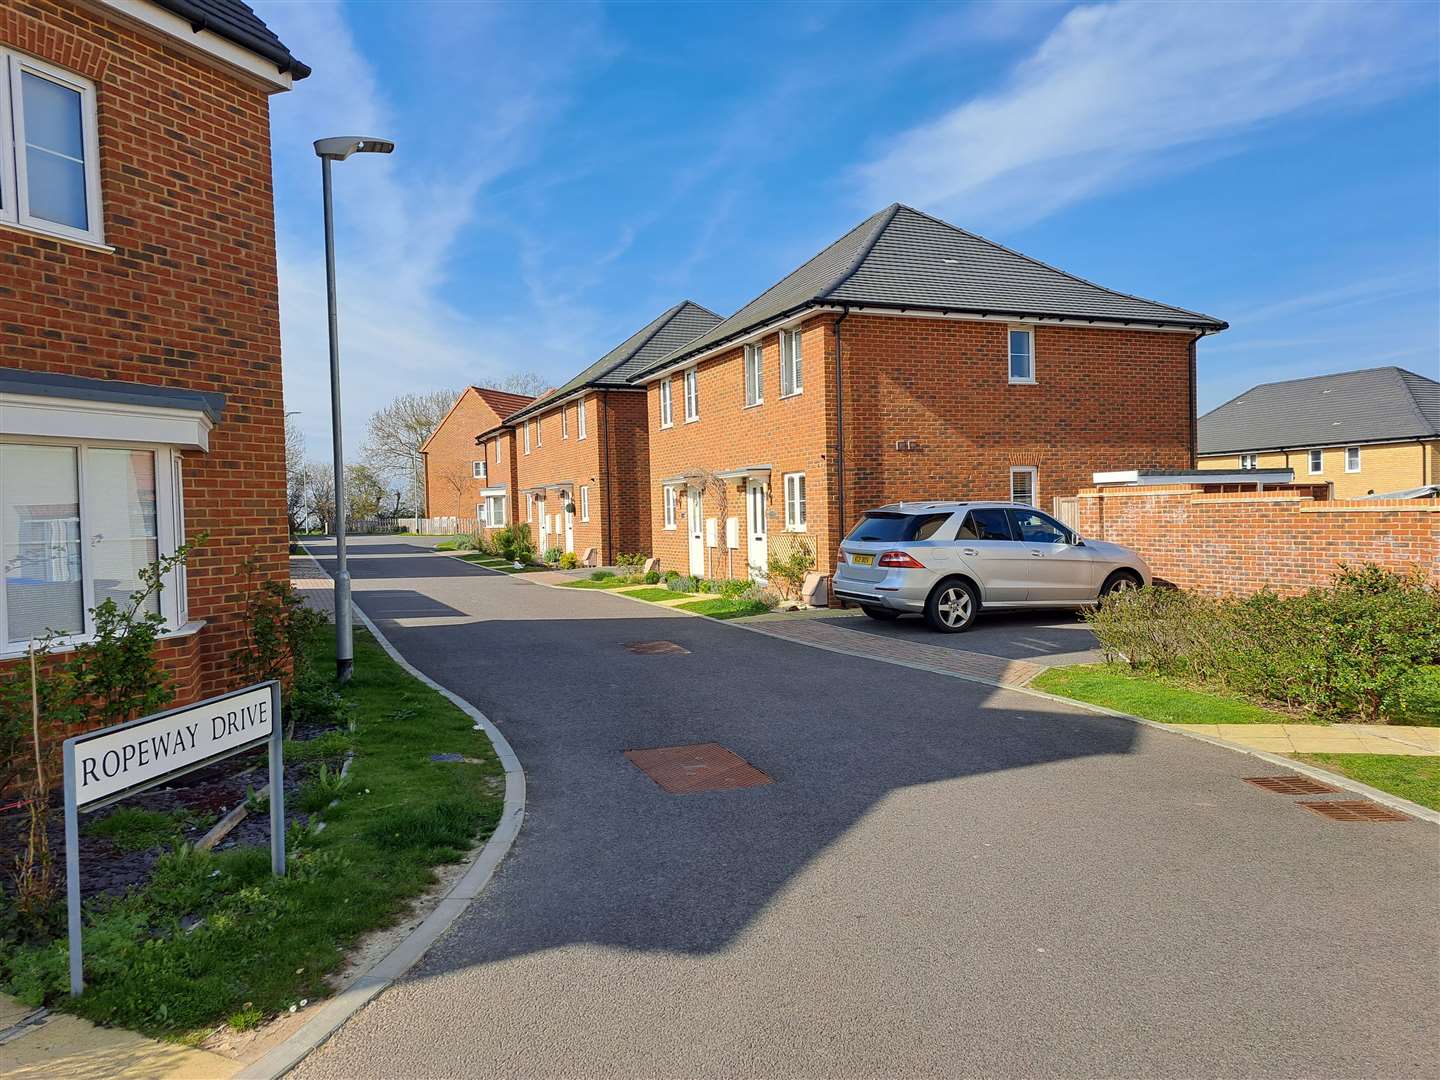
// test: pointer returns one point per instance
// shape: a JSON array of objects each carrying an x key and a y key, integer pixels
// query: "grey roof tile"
[
  {"x": 235, "y": 21},
  {"x": 901, "y": 258},
  {"x": 1373, "y": 405},
  {"x": 659, "y": 337}
]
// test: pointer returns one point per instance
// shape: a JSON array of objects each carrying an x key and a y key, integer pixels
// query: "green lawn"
[
  {"x": 215, "y": 937},
  {"x": 654, "y": 593},
  {"x": 490, "y": 562},
  {"x": 1152, "y": 699},
  {"x": 605, "y": 583},
  {"x": 1413, "y": 778},
  {"x": 720, "y": 607}
]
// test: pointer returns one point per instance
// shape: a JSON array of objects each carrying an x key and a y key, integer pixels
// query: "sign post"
[{"x": 102, "y": 767}]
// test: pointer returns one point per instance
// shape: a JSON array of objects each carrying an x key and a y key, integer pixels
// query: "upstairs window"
[
  {"x": 49, "y": 149},
  {"x": 1022, "y": 355},
  {"x": 497, "y": 450},
  {"x": 564, "y": 422},
  {"x": 692, "y": 396},
  {"x": 477, "y": 470},
  {"x": 754, "y": 374},
  {"x": 667, "y": 416},
  {"x": 1249, "y": 461},
  {"x": 539, "y": 432},
  {"x": 1317, "y": 461},
  {"x": 527, "y": 436},
  {"x": 580, "y": 420},
  {"x": 1023, "y": 484},
  {"x": 792, "y": 363},
  {"x": 1352, "y": 459}
]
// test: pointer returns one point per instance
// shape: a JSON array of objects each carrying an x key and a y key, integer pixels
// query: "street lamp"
[{"x": 328, "y": 150}]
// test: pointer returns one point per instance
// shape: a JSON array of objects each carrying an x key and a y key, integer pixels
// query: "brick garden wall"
[
  {"x": 1237, "y": 544},
  {"x": 187, "y": 298}
]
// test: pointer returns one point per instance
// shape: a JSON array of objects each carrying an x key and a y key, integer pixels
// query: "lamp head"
[{"x": 342, "y": 146}]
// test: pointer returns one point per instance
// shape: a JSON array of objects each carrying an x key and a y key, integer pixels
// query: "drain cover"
[
  {"x": 683, "y": 770},
  {"x": 656, "y": 648},
  {"x": 1353, "y": 810},
  {"x": 1291, "y": 785}
]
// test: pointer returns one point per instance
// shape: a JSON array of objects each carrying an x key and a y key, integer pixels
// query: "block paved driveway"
[{"x": 944, "y": 879}]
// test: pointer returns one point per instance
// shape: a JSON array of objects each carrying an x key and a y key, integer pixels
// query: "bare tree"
[
  {"x": 296, "y": 475},
  {"x": 529, "y": 383},
  {"x": 454, "y": 480},
  {"x": 395, "y": 433}
]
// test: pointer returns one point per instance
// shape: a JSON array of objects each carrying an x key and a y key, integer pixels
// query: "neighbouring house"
[
  {"x": 469, "y": 460},
  {"x": 140, "y": 391},
  {"x": 1371, "y": 432},
  {"x": 582, "y": 462},
  {"x": 908, "y": 360}
]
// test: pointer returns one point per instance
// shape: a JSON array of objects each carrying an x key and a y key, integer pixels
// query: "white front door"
[
  {"x": 569, "y": 526},
  {"x": 696, "y": 518},
  {"x": 759, "y": 531}
]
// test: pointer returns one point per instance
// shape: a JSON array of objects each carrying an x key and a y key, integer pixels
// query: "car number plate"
[{"x": 863, "y": 560}]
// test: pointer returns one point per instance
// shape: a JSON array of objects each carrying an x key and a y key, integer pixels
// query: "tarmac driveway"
[{"x": 942, "y": 878}]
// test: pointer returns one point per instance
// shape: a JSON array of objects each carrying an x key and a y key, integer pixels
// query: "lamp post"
[{"x": 328, "y": 150}]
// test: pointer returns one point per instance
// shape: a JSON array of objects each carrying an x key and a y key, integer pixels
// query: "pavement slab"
[{"x": 944, "y": 877}]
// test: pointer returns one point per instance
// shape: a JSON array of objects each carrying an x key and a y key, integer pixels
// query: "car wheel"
[
  {"x": 880, "y": 614},
  {"x": 952, "y": 607},
  {"x": 1119, "y": 582}
]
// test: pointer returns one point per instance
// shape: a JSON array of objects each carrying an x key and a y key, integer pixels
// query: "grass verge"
[
  {"x": 654, "y": 593},
  {"x": 1153, "y": 699},
  {"x": 721, "y": 607},
  {"x": 1413, "y": 778},
  {"x": 490, "y": 562},
  {"x": 605, "y": 583},
  {"x": 215, "y": 937}
]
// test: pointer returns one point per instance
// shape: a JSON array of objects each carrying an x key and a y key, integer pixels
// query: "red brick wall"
[
  {"x": 450, "y": 487},
  {"x": 626, "y": 491},
  {"x": 188, "y": 297},
  {"x": 1238, "y": 544},
  {"x": 553, "y": 459},
  {"x": 1103, "y": 399}
]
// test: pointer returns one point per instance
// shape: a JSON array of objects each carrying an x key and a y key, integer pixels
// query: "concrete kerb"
[{"x": 328, "y": 1019}]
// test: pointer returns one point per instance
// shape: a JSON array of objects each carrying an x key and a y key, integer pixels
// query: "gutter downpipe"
[
  {"x": 603, "y": 403},
  {"x": 1194, "y": 420},
  {"x": 840, "y": 426}
]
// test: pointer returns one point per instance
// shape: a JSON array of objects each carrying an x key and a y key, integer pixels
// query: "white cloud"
[
  {"x": 1119, "y": 92},
  {"x": 399, "y": 219}
]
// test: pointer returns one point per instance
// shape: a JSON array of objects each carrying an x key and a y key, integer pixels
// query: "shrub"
[
  {"x": 634, "y": 559},
  {"x": 755, "y": 593},
  {"x": 513, "y": 544},
  {"x": 602, "y": 575},
  {"x": 681, "y": 583},
  {"x": 653, "y": 578},
  {"x": 671, "y": 575},
  {"x": 569, "y": 561},
  {"x": 278, "y": 626},
  {"x": 787, "y": 572},
  {"x": 552, "y": 555}
]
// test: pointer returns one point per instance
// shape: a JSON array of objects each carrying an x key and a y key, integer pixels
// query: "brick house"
[
  {"x": 469, "y": 459},
  {"x": 1369, "y": 432},
  {"x": 140, "y": 390},
  {"x": 582, "y": 464},
  {"x": 964, "y": 369}
]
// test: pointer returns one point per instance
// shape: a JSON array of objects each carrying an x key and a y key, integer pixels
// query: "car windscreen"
[{"x": 886, "y": 527}]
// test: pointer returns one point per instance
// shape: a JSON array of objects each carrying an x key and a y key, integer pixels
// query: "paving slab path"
[{"x": 944, "y": 878}]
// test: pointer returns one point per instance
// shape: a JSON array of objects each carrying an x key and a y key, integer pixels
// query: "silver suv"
[{"x": 947, "y": 560}]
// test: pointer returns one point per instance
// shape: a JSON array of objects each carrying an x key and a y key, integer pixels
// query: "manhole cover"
[
  {"x": 683, "y": 770},
  {"x": 1353, "y": 810},
  {"x": 1291, "y": 785},
  {"x": 656, "y": 648}
]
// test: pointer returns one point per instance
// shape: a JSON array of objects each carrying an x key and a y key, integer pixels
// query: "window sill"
[
  {"x": 754, "y": 405},
  {"x": 692, "y": 420},
  {"x": 1023, "y": 382},
  {"x": 793, "y": 393},
  {"x": 663, "y": 427},
  {"x": 796, "y": 531},
  {"x": 64, "y": 238},
  {"x": 15, "y": 652}
]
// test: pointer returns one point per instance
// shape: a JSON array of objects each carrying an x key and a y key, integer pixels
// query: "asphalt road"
[{"x": 943, "y": 880}]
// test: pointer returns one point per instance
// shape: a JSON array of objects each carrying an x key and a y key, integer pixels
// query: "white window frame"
[
  {"x": 478, "y": 469},
  {"x": 494, "y": 506},
  {"x": 1034, "y": 473},
  {"x": 527, "y": 436},
  {"x": 1249, "y": 461},
  {"x": 497, "y": 449},
  {"x": 667, "y": 403},
  {"x": 792, "y": 363},
  {"x": 754, "y": 375},
  {"x": 796, "y": 502},
  {"x": 580, "y": 419},
  {"x": 480, "y": 512},
  {"x": 584, "y": 502},
  {"x": 169, "y": 534},
  {"x": 539, "y": 431},
  {"x": 565, "y": 421},
  {"x": 1311, "y": 458},
  {"x": 529, "y": 506},
  {"x": 670, "y": 496},
  {"x": 692, "y": 395},
  {"x": 1352, "y": 452},
  {"x": 1019, "y": 380},
  {"x": 14, "y": 185}
]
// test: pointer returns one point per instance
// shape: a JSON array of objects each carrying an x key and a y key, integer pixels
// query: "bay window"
[{"x": 78, "y": 522}]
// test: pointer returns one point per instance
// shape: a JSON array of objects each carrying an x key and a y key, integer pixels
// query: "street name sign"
[{"x": 105, "y": 766}]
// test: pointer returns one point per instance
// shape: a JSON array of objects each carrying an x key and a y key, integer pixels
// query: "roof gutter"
[{"x": 526, "y": 411}]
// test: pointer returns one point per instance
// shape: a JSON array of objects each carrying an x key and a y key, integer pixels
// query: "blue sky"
[{"x": 566, "y": 171}]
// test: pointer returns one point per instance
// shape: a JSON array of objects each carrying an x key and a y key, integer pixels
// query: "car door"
[
  {"x": 987, "y": 546},
  {"x": 1060, "y": 571}
]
